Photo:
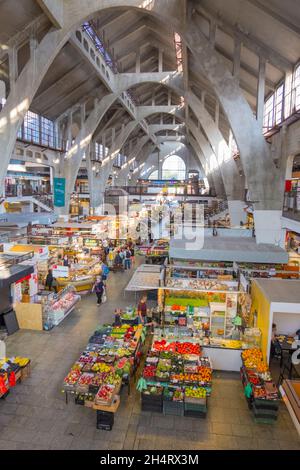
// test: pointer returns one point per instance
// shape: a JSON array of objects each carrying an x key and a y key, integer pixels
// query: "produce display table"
[
  {"x": 176, "y": 379},
  {"x": 12, "y": 371},
  {"x": 260, "y": 391},
  {"x": 109, "y": 360}
]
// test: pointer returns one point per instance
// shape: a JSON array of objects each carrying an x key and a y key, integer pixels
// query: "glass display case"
[{"x": 56, "y": 307}]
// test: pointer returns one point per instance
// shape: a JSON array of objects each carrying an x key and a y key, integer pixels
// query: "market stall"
[
  {"x": 110, "y": 358},
  {"x": 46, "y": 309},
  {"x": 177, "y": 378},
  {"x": 12, "y": 371},
  {"x": 275, "y": 301},
  {"x": 260, "y": 391},
  {"x": 215, "y": 313},
  {"x": 12, "y": 275}
]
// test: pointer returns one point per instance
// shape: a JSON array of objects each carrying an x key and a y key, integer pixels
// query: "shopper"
[
  {"x": 142, "y": 310},
  {"x": 123, "y": 256},
  {"x": 99, "y": 289},
  {"x": 104, "y": 271},
  {"x": 132, "y": 255},
  {"x": 50, "y": 281},
  {"x": 127, "y": 262},
  {"x": 75, "y": 260},
  {"x": 118, "y": 262},
  {"x": 66, "y": 261}
]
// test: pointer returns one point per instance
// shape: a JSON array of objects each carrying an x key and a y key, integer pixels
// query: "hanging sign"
[{"x": 59, "y": 185}]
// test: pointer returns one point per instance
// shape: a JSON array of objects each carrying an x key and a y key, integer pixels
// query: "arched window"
[
  {"x": 153, "y": 175},
  {"x": 173, "y": 168}
]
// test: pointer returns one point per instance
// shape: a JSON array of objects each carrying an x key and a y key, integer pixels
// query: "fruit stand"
[
  {"x": 12, "y": 371},
  {"x": 259, "y": 389},
  {"x": 216, "y": 317},
  {"x": 107, "y": 363},
  {"x": 176, "y": 378}
]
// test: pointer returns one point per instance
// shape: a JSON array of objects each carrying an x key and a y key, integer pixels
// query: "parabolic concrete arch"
[{"x": 254, "y": 151}]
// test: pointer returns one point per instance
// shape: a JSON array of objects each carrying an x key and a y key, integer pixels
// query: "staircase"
[{"x": 44, "y": 202}]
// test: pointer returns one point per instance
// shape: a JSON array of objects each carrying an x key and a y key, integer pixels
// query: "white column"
[
  {"x": 237, "y": 213},
  {"x": 261, "y": 91},
  {"x": 268, "y": 227},
  {"x": 160, "y": 59},
  {"x": 237, "y": 58},
  {"x": 138, "y": 61}
]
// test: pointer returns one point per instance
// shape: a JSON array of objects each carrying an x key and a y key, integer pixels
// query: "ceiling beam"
[
  {"x": 58, "y": 83},
  {"x": 249, "y": 40},
  {"x": 54, "y": 9},
  {"x": 247, "y": 68},
  {"x": 293, "y": 26}
]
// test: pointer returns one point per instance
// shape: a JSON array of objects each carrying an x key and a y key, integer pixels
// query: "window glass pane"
[
  {"x": 32, "y": 127},
  {"x": 278, "y": 104},
  {"x": 173, "y": 168},
  {"x": 297, "y": 88}
]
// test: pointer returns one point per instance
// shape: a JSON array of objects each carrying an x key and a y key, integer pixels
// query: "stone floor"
[{"x": 35, "y": 415}]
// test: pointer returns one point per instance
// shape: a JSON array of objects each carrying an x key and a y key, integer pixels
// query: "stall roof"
[
  {"x": 13, "y": 274},
  {"x": 73, "y": 225},
  {"x": 280, "y": 290},
  {"x": 227, "y": 249},
  {"x": 144, "y": 279}
]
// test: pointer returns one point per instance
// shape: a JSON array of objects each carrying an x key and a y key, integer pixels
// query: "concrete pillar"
[
  {"x": 13, "y": 67},
  {"x": 237, "y": 213},
  {"x": 203, "y": 94},
  {"x": 237, "y": 58},
  {"x": 160, "y": 59},
  {"x": 212, "y": 32},
  {"x": 69, "y": 129},
  {"x": 268, "y": 227},
  {"x": 153, "y": 99},
  {"x": 72, "y": 162},
  {"x": 261, "y": 91},
  {"x": 217, "y": 113},
  {"x": 138, "y": 61},
  {"x": 169, "y": 98},
  {"x": 82, "y": 113}
]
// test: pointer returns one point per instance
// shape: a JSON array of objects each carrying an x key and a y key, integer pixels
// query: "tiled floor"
[{"x": 35, "y": 415}]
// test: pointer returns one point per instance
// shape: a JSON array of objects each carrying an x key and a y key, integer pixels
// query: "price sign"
[{"x": 60, "y": 271}]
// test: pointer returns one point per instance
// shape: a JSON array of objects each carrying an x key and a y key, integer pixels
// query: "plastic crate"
[
  {"x": 152, "y": 408},
  {"x": 175, "y": 408},
  {"x": 105, "y": 418},
  {"x": 195, "y": 414},
  {"x": 266, "y": 404},
  {"x": 79, "y": 400}
]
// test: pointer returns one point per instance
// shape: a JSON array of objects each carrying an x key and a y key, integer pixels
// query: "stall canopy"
[
  {"x": 13, "y": 274},
  {"x": 145, "y": 277},
  {"x": 219, "y": 248}
]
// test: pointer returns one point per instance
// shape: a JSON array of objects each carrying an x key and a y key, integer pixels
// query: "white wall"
[{"x": 287, "y": 323}]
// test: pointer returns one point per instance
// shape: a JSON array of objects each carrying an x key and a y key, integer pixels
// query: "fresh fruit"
[
  {"x": 149, "y": 372},
  {"x": 101, "y": 367},
  {"x": 192, "y": 392},
  {"x": 72, "y": 377}
]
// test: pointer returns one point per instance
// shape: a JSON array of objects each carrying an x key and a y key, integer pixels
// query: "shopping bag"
[{"x": 104, "y": 298}]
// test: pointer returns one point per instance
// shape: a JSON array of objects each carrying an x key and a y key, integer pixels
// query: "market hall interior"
[{"x": 149, "y": 224}]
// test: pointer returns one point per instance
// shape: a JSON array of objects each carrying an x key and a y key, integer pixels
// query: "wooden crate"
[{"x": 25, "y": 371}]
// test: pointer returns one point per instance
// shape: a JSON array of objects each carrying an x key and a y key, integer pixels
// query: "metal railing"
[{"x": 291, "y": 205}]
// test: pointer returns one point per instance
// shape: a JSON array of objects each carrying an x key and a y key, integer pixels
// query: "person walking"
[
  {"x": 99, "y": 289},
  {"x": 127, "y": 259},
  {"x": 132, "y": 254},
  {"x": 104, "y": 271}
]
